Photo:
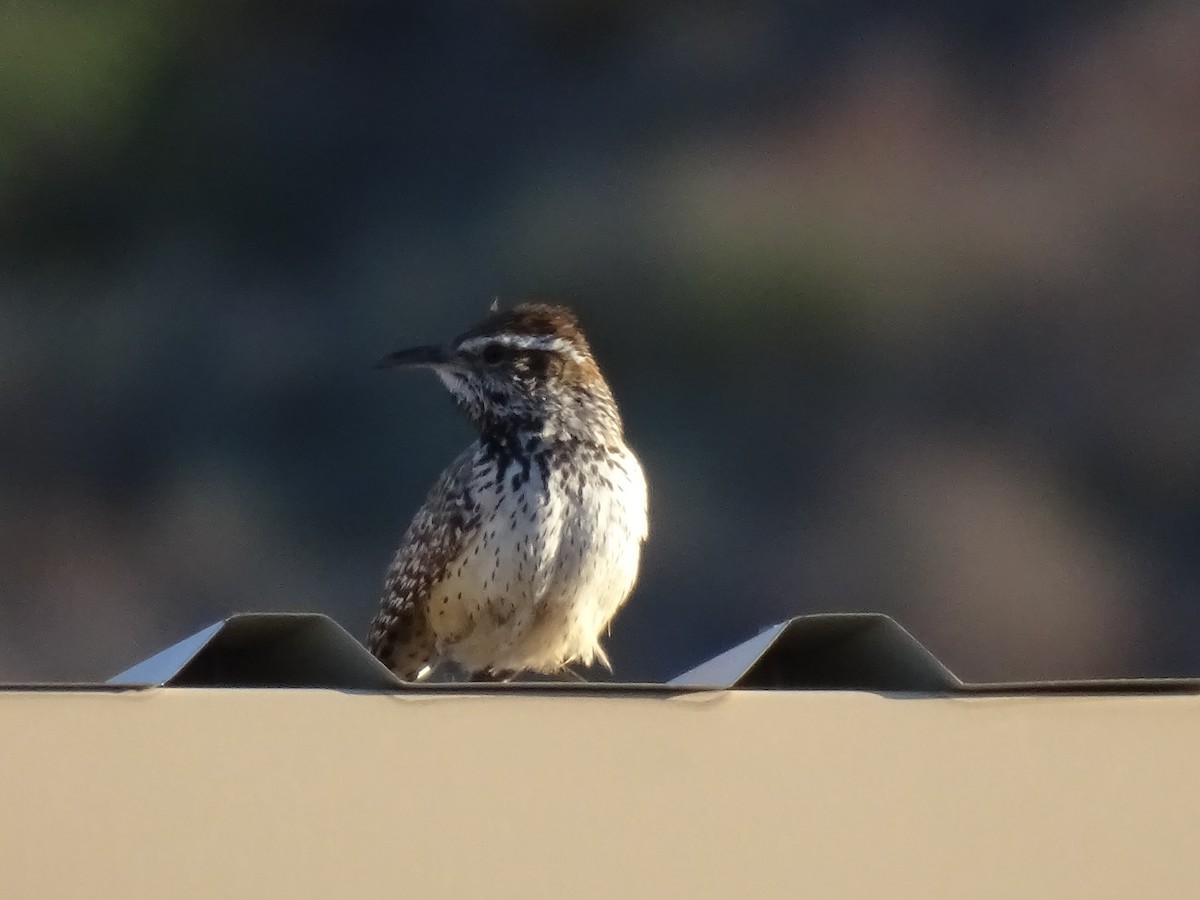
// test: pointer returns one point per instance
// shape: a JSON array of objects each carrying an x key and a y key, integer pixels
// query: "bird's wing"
[{"x": 400, "y": 636}]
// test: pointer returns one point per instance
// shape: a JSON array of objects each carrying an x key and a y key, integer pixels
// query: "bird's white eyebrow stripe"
[{"x": 546, "y": 342}]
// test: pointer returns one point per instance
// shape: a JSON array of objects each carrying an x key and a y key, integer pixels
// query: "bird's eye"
[
  {"x": 492, "y": 354},
  {"x": 536, "y": 363}
]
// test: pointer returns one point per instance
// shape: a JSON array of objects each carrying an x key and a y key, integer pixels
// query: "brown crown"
[{"x": 533, "y": 319}]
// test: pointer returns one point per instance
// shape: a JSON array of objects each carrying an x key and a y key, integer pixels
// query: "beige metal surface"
[{"x": 257, "y": 793}]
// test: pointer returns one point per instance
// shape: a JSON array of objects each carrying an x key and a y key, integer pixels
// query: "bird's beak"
[{"x": 429, "y": 357}]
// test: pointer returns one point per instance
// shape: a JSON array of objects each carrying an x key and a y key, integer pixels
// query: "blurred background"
[{"x": 899, "y": 299}]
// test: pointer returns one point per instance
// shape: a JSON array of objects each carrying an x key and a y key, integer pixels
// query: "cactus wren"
[{"x": 530, "y": 540}]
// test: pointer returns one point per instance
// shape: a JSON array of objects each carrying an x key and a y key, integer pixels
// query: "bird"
[{"x": 530, "y": 541}]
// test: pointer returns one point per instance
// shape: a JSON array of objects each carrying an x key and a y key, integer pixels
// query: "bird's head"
[{"x": 524, "y": 369}]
